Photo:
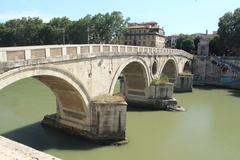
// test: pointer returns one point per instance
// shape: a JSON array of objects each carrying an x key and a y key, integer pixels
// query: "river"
[{"x": 208, "y": 130}]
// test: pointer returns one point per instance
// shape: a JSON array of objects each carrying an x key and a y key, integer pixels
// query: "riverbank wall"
[
  {"x": 11, "y": 150},
  {"x": 217, "y": 71}
]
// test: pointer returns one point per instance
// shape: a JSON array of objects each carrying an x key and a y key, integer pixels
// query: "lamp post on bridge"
[
  {"x": 63, "y": 34},
  {"x": 88, "y": 38}
]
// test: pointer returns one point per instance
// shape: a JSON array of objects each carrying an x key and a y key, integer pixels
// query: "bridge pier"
[
  {"x": 107, "y": 120},
  {"x": 184, "y": 83},
  {"x": 158, "y": 96}
]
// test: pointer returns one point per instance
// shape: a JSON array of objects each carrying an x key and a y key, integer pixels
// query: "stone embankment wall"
[
  {"x": 222, "y": 71},
  {"x": 10, "y": 150}
]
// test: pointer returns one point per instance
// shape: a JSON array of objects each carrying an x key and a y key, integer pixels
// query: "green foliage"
[
  {"x": 163, "y": 79},
  {"x": 100, "y": 28},
  {"x": 186, "y": 42},
  {"x": 216, "y": 47},
  {"x": 188, "y": 45},
  {"x": 196, "y": 41},
  {"x": 229, "y": 32}
]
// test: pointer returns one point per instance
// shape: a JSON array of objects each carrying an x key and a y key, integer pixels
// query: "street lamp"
[
  {"x": 88, "y": 29},
  {"x": 63, "y": 34}
]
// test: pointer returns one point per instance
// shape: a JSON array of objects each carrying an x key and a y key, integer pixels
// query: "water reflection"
[{"x": 208, "y": 130}]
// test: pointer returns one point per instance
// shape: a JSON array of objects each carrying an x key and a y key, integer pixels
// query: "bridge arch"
[
  {"x": 72, "y": 98},
  {"x": 170, "y": 69},
  {"x": 133, "y": 68},
  {"x": 187, "y": 67}
]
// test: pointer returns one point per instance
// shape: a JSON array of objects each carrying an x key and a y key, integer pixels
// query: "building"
[
  {"x": 145, "y": 34},
  {"x": 171, "y": 41},
  {"x": 203, "y": 47},
  {"x": 204, "y": 40}
]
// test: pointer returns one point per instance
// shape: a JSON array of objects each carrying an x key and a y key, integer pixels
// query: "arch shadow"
[
  {"x": 70, "y": 94},
  {"x": 133, "y": 65}
]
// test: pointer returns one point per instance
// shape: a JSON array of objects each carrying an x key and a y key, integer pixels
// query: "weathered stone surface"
[
  {"x": 72, "y": 51},
  {"x": 184, "y": 83},
  {"x": 38, "y": 53},
  {"x": 108, "y": 118},
  {"x": 15, "y": 55},
  {"x": 56, "y": 52},
  {"x": 156, "y": 104},
  {"x": 78, "y": 73},
  {"x": 11, "y": 150},
  {"x": 160, "y": 91}
]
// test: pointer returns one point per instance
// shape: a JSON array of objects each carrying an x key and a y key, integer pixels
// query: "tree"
[
  {"x": 79, "y": 31},
  {"x": 229, "y": 32},
  {"x": 214, "y": 46},
  {"x": 24, "y": 31},
  {"x": 100, "y": 28},
  {"x": 186, "y": 43},
  {"x": 60, "y": 28},
  {"x": 196, "y": 41},
  {"x": 108, "y": 28}
]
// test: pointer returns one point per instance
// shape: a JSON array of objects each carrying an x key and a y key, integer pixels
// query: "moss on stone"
[{"x": 163, "y": 79}]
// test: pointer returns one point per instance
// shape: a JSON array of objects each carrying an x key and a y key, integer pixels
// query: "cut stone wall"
[
  {"x": 15, "y": 55},
  {"x": 11, "y": 150},
  {"x": 55, "y": 52},
  {"x": 184, "y": 83},
  {"x": 38, "y": 53},
  {"x": 108, "y": 118}
]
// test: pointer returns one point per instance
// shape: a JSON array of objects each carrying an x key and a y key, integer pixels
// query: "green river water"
[{"x": 209, "y": 130}]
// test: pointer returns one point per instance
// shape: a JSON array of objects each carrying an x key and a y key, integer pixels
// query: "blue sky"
[{"x": 176, "y": 16}]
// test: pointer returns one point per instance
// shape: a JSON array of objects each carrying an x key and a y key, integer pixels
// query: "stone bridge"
[{"x": 79, "y": 74}]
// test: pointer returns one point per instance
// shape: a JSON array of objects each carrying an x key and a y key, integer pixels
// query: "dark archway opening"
[
  {"x": 132, "y": 81},
  {"x": 170, "y": 70},
  {"x": 187, "y": 68},
  {"x": 23, "y": 105},
  {"x": 154, "y": 68}
]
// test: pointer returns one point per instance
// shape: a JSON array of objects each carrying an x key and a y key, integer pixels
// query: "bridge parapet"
[{"x": 67, "y": 52}]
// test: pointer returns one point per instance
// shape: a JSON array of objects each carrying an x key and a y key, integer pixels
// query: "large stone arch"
[
  {"x": 170, "y": 69},
  {"x": 186, "y": 67},
  {"x": 72, "y": 98},
  {"x": 129, "y": 66}
]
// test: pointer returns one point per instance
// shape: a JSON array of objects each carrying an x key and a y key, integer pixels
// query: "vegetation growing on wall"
[{"x": 163, "y": 79}]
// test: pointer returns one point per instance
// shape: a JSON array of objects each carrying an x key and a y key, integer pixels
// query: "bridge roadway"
[{"x": 79, "y": 74}]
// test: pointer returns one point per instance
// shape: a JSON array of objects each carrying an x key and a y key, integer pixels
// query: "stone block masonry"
[
  {"x": 10, "y": 150},
  {"x": 108, "y": 121},
  {"x": 108, "y": 118},
  {"x": 79, "y": 74}
]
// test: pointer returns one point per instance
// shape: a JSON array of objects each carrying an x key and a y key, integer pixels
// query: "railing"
[{"x": 71, "y": 51}]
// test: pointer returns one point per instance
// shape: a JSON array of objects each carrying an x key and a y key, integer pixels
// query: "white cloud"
[{"x": 4, "y": 16}]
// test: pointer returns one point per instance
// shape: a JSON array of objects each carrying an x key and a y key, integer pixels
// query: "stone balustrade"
[{"x": 9, "y": 54}]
